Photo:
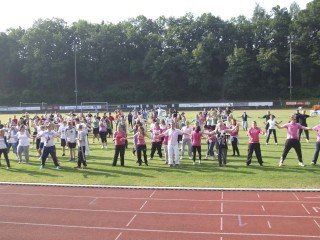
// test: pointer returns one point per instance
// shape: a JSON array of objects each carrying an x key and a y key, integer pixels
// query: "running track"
[{"x": 56, "y": 212}]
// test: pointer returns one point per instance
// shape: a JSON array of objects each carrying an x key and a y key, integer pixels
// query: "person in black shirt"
[
  {"x": 302, "y": 119},
  {"x": 244, "y": 118}
]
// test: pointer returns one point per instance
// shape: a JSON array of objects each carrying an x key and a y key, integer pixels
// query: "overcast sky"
[{"x": 15, "y": 13}]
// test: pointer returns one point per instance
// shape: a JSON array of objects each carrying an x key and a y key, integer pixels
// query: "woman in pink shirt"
[
  {"x": 119, "y": 138},
  {"x": 292, "y": 140},
  {"x": 196, "y": 143},
  {"x": 254, "y": 143},
  {"x": 141, "y": 145},
  {"x": 316, "y": 152}
]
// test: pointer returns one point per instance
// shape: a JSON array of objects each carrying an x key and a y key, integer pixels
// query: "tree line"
[{"x": 168, "y": 59}]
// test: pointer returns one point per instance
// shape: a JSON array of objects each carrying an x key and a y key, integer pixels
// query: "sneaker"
[
  {"x": 267, "y": 143},
  {"x": 193, "y": 163},
  {"x": 63, "y": 154},
  {"x": 150, "y": 158},
  {"x": 58, "y": 168},
  {"x": 199, "y": 161},
  {"x": 41, "y": 167},
  {"x": 307, "y": 140},
  {"x": 190, "y": 158},
  {"x": 280, "y": 162},
  {"x": 7, "y": 168},
  {"x": 181, "y": 158},
  {"x": 77, "y": 167},
  {"x": 301, "y": 164},
  {"x": 276, "y": 143}
]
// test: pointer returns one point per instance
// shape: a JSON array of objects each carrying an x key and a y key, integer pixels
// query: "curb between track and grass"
[{"x": 162, "y": 188}]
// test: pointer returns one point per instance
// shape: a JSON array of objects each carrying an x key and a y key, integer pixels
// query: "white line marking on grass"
[
  {"x": 93, "y": 201},
  {"x": 161, "y": 231},
  {"x": 295, "y": 195},
  {"x": 263, "y": 209},
  {"x": 143, "y": 205},
  {"x": 157, "y": 213},
  {"x": 316, "y": 223},
  {"x": 305, "y": 209},
  {"x": 269, "y": 225},
  {"x": 131, "y": 220},
  {"x": 118, "y": 236},
  {"x": 152, "y": 193},
  {"x": 221, "y": 223},
  {"x": 221, "y": 208}
]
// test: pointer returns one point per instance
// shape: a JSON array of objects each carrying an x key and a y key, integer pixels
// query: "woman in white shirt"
[
  {"x": 272, "y": 129},
  {"x": 23, "y": 137}
]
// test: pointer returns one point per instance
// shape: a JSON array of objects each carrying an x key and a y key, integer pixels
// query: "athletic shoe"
[
  {"x": 41, "y": 167},
  {"x": 280, "y": 162},
  {"x": 307, "y": 140},
  {"x": 63, "y": 154},
  {"x": 77, "y": 167},
  {"x": 199, "y": 161},
  {"x": 301, "y": 164},
  {"x": 58, "y": 168},
  {"x": 181, "y": 158},
  {"x": 193, "y": 163},
  {"x": 150, "y": 158},
  {"x": 267, "y": 143},
  {"x": 313, "y": 163},
  {"x": 7, "y": 167},
  {"x": 276, "y": 143}
]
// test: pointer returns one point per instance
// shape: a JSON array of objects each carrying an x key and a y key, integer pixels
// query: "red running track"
[{"x": 44, "y": 212}]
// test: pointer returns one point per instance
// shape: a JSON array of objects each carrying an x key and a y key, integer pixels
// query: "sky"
[{"x": 23, "y": 13}]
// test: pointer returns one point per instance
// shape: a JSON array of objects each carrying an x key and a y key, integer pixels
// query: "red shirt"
[
  {"x": 119, "y": 137},
  {"x": 253, "y": 134}
]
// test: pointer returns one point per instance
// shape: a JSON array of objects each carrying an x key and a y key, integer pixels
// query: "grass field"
[{"x": 208, "y": 174}]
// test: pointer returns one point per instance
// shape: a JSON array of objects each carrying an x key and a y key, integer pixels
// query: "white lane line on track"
[
  {"x": 221, "y": 208},
  {"x": 159, "y": 213},
  {"x": 93, "y": 201},
  {"x": 152, "y": 193},
  {"x": 222, "y": 196},
  {"x": 118, "y": 236},
  {"x": 131, "y": 220},
  {"x": 145, "y": 198},
  {"x": 263, "y": 209},
  {"x": 162, "y": 231},
  {"x": 305, "y": 209},
  {"x": 258, "y": 195},
  {"x": 269, "y": 224},
  {"x": 221, "y": 223},
  {"x": 143, "y": 205},
  {"x": 295, "y": 195},
  {"x": 316, "y": 223}
]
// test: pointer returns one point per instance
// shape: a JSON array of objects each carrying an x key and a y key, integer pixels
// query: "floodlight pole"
[
  {"x": 290, "y": 64},
  {"x": 75, "y": 76}
]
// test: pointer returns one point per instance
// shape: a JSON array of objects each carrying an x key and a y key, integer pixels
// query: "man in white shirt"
[
  {"x": 49, "y": 146},
  {"x": 173, "y": 145}
]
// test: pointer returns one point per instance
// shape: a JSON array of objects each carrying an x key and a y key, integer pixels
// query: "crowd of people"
[{"x": 172, "y": 136}]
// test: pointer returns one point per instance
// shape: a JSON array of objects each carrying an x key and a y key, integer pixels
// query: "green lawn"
[{"x": 208, "y": 174}]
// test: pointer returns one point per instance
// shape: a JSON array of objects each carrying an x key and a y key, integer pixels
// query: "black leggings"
[
  {"x": 5, "y": 153},
  {"x": 194, "y": 150},
  {"x": 142, "y": 148},
  {"x": 274, "y": 134},
  {"x": 119, "y": 149},
  {"x": 292, "y": 143},
  {"x": 103, "y": 136},
  {"x": 256, "y": 148},
  {"x": 156, "y": 146}
]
